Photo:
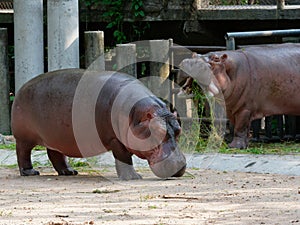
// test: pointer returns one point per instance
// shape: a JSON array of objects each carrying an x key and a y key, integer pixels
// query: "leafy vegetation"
[{"x": 115, "y": 15}]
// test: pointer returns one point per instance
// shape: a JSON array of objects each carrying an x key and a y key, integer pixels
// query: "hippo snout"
[
  {"x": 180, "y": 172},
  {"x": 172, "y": 166}
]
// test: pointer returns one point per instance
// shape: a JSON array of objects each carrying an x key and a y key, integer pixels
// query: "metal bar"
[
  {"x": 230, "y": 43},
  {"x": 269, "y": 33},
  {"x": 230, "y": 37}
]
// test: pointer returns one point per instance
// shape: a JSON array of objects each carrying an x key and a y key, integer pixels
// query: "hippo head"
[
  {"x": 199, "y": 69},
  {"x": 153, "y": 135}
]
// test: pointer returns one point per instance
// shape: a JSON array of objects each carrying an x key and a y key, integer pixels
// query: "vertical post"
[
  {"x": 159, "y": 67},
  {"x": 280, "y": 4},
  {"x": 4, "y": 84},
  {"x": 28, "y": 38},
  {"x": 126, "y": 58},
  {"x": 172, "y": 97},
  {"x": 94, "y": 50},
  {"x": 230, "y": 43},
  {"x": 63, "y": 34}
]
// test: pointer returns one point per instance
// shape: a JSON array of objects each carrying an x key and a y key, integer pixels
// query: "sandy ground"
[{"x": 98, "y": 197}]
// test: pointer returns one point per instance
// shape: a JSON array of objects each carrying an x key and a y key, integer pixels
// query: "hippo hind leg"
[
  {"x": 60, "y": 164},
  {"x": 23, "y": 149}
]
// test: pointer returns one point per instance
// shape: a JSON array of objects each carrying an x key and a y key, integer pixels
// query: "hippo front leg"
[
  {"x": 241, "y": 130},
  {"x": 123, "y": 160}
]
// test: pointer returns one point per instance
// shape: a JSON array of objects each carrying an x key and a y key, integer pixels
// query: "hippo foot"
[
  {"x": 67, "y": 172},
  {"x": 126, "y": 171},
  {"x": 29, "y": 172},
  {"x": 238, "y": 143},
  {"x": 132, "y": 175}
]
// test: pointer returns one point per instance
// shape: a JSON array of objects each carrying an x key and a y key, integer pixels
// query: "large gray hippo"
[
  {"x": 80, "y": 113},
  {"x": 255, "y": 82}
]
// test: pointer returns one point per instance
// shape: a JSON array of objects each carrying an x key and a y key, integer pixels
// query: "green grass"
[
  {"x": 8, "y": 146},
  {"x": 13, "y": 147},
  {"x": 280, "y": 148}
]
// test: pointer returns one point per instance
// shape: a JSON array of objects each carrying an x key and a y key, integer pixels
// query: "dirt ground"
[{"x": 98, "y": 197}]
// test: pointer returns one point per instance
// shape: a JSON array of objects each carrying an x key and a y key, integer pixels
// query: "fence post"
[
  {"x": 126, "y": 58},
  {"x": 159, "y": 66},
  {"x": 63, "y": 34},
  {"x": 4, "y": 84},
  {"x": 29, "y": 42},
  {"x": 280, "y": 4},
  {"x": 230, "y": 43},
  {"x": 94, "y": 50}
]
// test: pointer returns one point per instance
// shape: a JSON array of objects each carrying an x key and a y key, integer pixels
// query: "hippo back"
[{"x": 42, "y": 109}]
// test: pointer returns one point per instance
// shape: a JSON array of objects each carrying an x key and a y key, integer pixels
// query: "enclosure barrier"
[
  {"x": 28, "y": 40},
  {"x": 126, "y": 58},
  {"x": 4, "y": 84},
  {"x": 94, "y": 50},
  {"x": 63, "y": 34}
]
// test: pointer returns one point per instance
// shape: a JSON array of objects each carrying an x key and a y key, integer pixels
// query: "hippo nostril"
[
  {"x": 180, "y": 172},
  {"x": 177, "y": 131}
]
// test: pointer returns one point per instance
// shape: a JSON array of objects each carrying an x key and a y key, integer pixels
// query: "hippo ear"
[
  {"x": 149, "y": 116},
  {"x": 223, "y": 57},
  {"x": 144, "y": 121}
]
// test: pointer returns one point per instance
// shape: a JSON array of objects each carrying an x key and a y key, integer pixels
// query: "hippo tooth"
[
  {"x": 213, "y": 88},
  {"x": 210, "y": 94}
]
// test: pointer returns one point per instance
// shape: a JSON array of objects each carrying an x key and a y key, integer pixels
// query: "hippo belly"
[{"x": 70, "y": 113}]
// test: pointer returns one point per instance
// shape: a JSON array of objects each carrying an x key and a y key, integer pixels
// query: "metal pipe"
[
  {"x": 232, "y": 35},
  {"x": 262, "y": 33}
]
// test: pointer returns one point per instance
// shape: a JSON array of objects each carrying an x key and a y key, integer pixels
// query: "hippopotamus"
[
  {"x": 81, "y": 113},
  {"x": 255, "y": 82}
]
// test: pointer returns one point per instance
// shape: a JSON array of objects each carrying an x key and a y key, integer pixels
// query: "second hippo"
[{"x": 255, "y": 82}]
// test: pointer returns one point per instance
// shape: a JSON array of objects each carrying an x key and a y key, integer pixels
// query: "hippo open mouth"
[
  {"x": 198, "y": 69},
  {"x": 213, "y": 89}
]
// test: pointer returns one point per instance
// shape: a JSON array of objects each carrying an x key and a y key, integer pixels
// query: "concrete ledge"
[{"x": 265, "y": 164}]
